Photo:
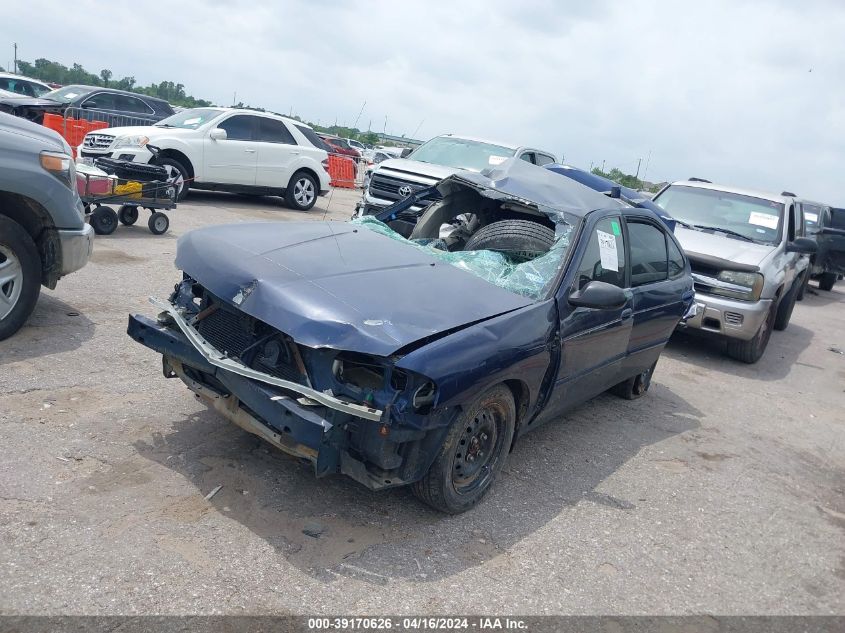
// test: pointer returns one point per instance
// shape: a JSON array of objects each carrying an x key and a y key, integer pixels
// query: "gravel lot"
[{"x": 720, "y": 492}]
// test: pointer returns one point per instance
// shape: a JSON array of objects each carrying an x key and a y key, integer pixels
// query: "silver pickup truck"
[
  {"x": 43, "y": 234},
  {"x": 749, "y": 260}
]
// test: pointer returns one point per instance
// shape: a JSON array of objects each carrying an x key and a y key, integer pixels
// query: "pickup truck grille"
[
  {"x": 245, "y": 338},
  {"x": 387, "y": 187},
  {"x": 97, "y": 141}
]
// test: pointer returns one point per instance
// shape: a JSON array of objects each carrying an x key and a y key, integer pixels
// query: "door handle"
[
  {"x": 627, "y": 313},
  {"x": 250, "y": 151}
]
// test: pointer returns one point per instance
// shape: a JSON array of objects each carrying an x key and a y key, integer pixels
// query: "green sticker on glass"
[{"x": 614, "y": 225}]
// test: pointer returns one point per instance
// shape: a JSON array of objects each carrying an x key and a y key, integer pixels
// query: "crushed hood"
[
  {"x": 414, "y": 169},
  {"x": 727, "y": 248},
  {"x": 329, "y": 284},
  {"x": 517, "y": 180}
]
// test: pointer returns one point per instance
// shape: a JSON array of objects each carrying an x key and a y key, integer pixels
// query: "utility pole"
[
  {"x": 647, "y": 161},
  {"x": 414, "y": 135},
  {"x": 360, "y": 112},
  {"x": 16, "y": 57},
  {"x": 384, "y": 129},
  {"x": 637, "y": 175},
  {"x": 602, "y": 165}
]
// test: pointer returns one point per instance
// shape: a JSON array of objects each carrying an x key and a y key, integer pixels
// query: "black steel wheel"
[
  {"x": 103, "y": 220},
  {"x": 128, "y": 214},
  {"x": 474, "y": 451},
  {"x": 158, "y": 223}
]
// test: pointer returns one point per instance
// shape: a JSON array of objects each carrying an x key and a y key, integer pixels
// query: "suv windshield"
[
  {"x": 189, "y": 119},
  {"x": 461, "y": 153},
  {"x": 67, "y": 94},
  {"x": 744, "y": 216}
]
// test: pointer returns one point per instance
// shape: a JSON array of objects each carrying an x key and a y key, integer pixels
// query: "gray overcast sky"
[{"x": 740, "y": 92}]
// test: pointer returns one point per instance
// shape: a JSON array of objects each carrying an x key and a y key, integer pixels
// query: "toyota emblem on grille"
[{"x": 405, "y": 191}]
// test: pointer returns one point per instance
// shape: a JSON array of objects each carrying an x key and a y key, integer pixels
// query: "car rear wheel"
[
  {"x": 473, "y": 453},
  {"x": 826, "y": 281},
  {"x": 301, "y": 192},
  {"x": 521, "y": 239},
  {"x": 636, "y": 386},
  {"x": 20, "y": 277},
  {"x": 751, "y": 351}
]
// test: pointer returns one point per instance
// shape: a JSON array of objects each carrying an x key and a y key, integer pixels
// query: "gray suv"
[
  {"x": 43, "y": 234},
  {"x": 749, "y": 260}
]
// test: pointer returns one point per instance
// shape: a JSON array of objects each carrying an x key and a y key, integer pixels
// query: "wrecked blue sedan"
[{"x": 416, "y": 347}]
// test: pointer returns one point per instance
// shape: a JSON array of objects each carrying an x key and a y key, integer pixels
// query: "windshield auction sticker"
[
  {"x": 607, "y": 251},
  {"x": 763, "y": 219}
]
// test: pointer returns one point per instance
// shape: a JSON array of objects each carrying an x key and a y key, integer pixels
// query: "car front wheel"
[
  {"x": 473, "y": 453},
  {"x": 301, "y": 192},
  {"x": 177, "y": 173},
  {"x": 20, "y": 277}
]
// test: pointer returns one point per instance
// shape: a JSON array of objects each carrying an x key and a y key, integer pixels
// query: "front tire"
[
  {"x": 522, "y": 239},
  {"x": 474, "y": 451},
  {"x": 826, "y": 281},
  {"x": 785, "y": 308},
  {"x": 103, "y": 220},
  {"x": 301, "y": 192},
  {"x": 752, "y": 351},
  {"x": 20, "y": 277},
  {"x": 175, "y": 169}
]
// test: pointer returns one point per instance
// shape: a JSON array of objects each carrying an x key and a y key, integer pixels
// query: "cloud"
[{"x": 746, "y": 93}]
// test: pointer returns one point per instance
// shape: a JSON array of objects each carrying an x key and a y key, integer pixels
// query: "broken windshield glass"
[{"x": 531, "y": 278}]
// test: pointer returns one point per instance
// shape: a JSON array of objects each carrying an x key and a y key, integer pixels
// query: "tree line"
[{"x": 54, "y": 72}]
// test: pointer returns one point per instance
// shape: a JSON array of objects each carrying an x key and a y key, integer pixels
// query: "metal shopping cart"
[{"x": 129, "y": 185}]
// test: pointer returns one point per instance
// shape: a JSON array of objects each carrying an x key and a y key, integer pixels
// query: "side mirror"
[
  {"x": 802, "y": 245},
  {"x": 406, "y": 151},
  {"x": 598, "y": 295},
  {"x": 217, "y": 134}
]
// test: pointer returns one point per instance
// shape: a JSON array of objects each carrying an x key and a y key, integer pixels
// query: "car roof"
[
  {"x": 754, "y": 193},
  {"x": 275, "y": 115},
  {"x": 116, "y": 92},
  {"x": 25, "y": 78}
]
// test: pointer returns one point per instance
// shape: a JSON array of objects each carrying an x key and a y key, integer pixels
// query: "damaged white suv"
[{"x": 399, "y": 178}]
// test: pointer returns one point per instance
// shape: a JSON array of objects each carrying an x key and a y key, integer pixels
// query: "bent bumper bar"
[
  {"x": 214, "y": 357},
  {"x": 728, "y": 317}
]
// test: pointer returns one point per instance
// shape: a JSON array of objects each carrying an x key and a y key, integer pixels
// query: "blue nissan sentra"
[{"x": 416, "y": 346}]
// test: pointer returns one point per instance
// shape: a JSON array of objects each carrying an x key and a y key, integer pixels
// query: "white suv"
[{"x": 225, "y": 149}]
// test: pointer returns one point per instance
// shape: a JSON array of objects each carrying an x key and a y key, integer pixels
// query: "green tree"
[{"x": 105, "y": 75}]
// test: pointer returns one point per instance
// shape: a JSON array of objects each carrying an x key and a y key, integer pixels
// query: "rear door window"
[
  {"x": 274, "y": 131},
  {"x": 544, "y": 159},
  {"x": 100, "y": 101},
  {"x": 126, "y": 103},
  {"x": 649, "y": 257},
  {"x": 239, "y": 127}
]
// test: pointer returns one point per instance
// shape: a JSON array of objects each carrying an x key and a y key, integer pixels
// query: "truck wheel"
[
  {"x": 128, "y": 214},
  {"x": 826, "y": 281},
  {"x": 523, "y": 239},
  {"x": 474, "y": 451},
  {"x": 804, "y": 283},
  {"x": 20, "y": 277},
  {"x": 301, "y": 192},
  {"x": 636, "y": 386},
  {"x": 752, "y": 351},
  {"x": 785, "y": 308},
  {"x": 104, "y": 220}
]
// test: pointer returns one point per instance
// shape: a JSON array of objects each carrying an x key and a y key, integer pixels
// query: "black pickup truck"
[{"x": 826, "y": 225}]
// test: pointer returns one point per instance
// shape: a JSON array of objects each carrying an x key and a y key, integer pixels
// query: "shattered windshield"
[
  {"x": 532, "y": 278},
  {"x": 461, "y": 153},
  {"x": 739, "y": 216}
]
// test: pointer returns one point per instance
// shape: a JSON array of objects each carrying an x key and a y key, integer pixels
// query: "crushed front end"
[{"x": 345, "y": 412}]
